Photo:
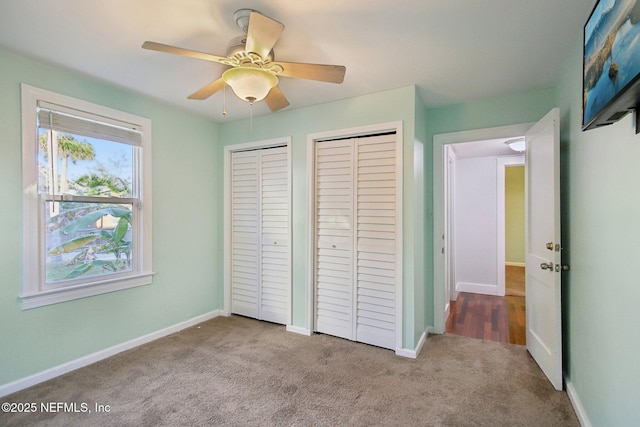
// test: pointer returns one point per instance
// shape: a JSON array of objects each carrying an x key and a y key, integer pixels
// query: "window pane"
[
  {"x": 72, "y": 164},
  {"x": 87, "y": 240}
]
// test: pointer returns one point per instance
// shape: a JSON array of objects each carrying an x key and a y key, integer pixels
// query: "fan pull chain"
[{"x": 251, "y": 117}]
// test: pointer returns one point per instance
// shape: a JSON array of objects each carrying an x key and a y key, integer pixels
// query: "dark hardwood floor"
[{"x": 488, "y": 317}]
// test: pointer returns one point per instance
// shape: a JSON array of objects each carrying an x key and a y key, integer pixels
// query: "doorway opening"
[
  {"x": 483, "y": 257},
  {"x": 484, "y": 193},
  {"x": 514, "y": 224},
  {"x": 542, "y": 242}
]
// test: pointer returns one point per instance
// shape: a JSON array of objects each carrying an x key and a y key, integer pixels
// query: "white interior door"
[
  {"x": 260, "y": 267},
  {"x": 543, "y": 263}
]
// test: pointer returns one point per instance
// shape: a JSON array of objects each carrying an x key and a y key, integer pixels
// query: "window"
[{"x": 86, "y": 199}]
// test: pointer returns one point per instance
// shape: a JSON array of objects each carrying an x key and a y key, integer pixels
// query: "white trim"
[
  {"x": 414, "y": 353},
  {"x": 66, "y": 294},
  {"x": 228, "y": 149},
  {"x": 400, "y": 231},
  {"x": 311, "y": 233},
  {"x": 312, "y": 138},
  {"x": 81, "y": 362},
  {"x": 33, "y": 274},
  {"x": 439, "y": 141},
  {"x": 290, "y": 228},
  {"x": 479, "y": 288},
  {"x": 514, "y": 264},
  {"x": 299, "y": 330},
  {"x": 356, "y": 131},
  {"x": 501, "y": 163},
  {"x": 577, "y": 404},
  {"x": 448, "y": 236}
]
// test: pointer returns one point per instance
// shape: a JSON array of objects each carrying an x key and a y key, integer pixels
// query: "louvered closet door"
[
  {"x": 356, "y": 231},
  {"x": 376, "y": 240},
  {"x": 245, "y": 250},
  {"x": 260, "y": 268},
  {"x": 275, "y": 281},
  {"x": 334, "y": 238}
]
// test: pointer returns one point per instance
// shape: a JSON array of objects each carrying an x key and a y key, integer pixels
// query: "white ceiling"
[
  {"x": 484, "y": 148},
  {"x": 454, "y": 51}
]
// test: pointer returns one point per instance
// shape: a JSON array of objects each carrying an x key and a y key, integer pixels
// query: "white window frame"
[{"x": 34, "y": 294}]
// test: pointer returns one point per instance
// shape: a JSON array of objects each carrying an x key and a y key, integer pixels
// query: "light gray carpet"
[{"x": 241, "y": 372}]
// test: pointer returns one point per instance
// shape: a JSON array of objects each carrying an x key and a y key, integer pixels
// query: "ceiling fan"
[{"x": 253, "y": 72}]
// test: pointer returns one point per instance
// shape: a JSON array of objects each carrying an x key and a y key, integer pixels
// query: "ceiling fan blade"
[
  {"x": 276, "y": 100},
  {"x": 180, "y": 51},
  {"x": 262, "y": 34},
  {"x": 208, "y": 90},
  {"x": 320, "y": 72}
]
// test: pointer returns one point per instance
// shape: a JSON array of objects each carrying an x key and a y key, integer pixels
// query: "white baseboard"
[
  {"x": 81, "y": 362},
  {"x": 478, "y": 288},
  {"x": 299, "y": 330},
  {"x": 577, "y": 404},
  {"x": 413, "y": 353},
  {"x": 515, "y": 264}
]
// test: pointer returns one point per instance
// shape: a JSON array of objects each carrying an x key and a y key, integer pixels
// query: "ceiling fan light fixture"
[
  {"x": 250, "y": 84},
  {"x": 516, "y": 144},
  {"x": 253, "y": 74}
]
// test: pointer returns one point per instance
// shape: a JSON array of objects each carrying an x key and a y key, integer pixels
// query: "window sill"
[{"x": 56, "y": 296}]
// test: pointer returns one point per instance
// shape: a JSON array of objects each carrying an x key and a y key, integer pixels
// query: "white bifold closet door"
[
  {"x": 260, "y": 267},
  {"x": 356, "y": 238}
]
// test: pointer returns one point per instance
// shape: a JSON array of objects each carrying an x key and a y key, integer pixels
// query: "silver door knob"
[{"x": 547, "y": 266}]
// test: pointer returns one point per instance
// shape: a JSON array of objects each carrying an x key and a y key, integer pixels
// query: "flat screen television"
[{"x": 611, "y": 63}]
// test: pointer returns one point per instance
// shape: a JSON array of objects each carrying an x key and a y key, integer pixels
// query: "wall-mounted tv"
[{"x": 611, "y": 63}]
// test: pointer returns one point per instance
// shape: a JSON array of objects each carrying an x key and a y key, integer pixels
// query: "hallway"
[{"x": 488, "y": 317}]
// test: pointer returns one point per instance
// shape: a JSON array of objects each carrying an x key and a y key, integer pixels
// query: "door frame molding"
[
  {"x": 439, "y": 141},
  {"x": 449, "y": 277},
  {"x": 228, "y": 150},
  {"x": 360, "y": 131}
]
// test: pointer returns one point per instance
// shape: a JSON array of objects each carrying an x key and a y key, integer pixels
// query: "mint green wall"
[
  {"x": 601, "y": 237},
  {"x": 382, "y": 107},
  {"x": 514, "y": 214},
  {"x": 185, "y": 231},
  {"x": 512, "y": 109}
]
